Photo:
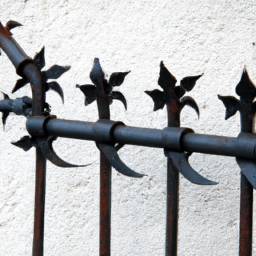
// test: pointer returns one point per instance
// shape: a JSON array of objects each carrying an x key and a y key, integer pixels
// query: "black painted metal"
[
  {"x": 190, "y": 142},
  {"x": 178, "y": 143}
]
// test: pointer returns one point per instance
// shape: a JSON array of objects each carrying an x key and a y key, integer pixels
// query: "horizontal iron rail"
[{"x": 243, "y": 146}]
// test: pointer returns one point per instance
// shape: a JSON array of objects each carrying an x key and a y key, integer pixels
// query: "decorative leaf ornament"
[
  {"x": 54, "y": 72},
  {"x": 116, "y": 79},
  {"x": 247, "y": 92},
  {"x": 173, "y": 93}
]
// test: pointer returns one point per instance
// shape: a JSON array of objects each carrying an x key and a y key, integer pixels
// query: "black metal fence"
[{"x": 178, "y": 143}]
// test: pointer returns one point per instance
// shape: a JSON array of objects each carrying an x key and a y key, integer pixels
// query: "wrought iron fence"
[{"x": 110, "y": 136}]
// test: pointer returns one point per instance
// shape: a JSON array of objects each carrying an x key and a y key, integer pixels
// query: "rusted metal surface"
[
  {"x": 30, "y": 72},
  {"x": 110, "y": 136},
  {"x": 26, "y": 68},
  {"x": 102, "y": 91},
  {"x": 40, "y": 189},
  {"x": 54, "y": 72},
  {"x": 247, "y": 108},
  {"x": 171, "y": 97}
]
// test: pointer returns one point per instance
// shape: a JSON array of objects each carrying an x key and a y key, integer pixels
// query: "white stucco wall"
[{"x": 213, "y": 37}]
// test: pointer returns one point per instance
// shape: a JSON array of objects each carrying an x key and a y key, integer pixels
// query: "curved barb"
[
  {"x": 180, "y": 161},
  {"x": 111, "y": 154},
  {"x": 45, "y": 144},
  {"x": 118, "y": 96},
  {"x": 11, "y": 24},
  {"x": 189, "y": 101}
]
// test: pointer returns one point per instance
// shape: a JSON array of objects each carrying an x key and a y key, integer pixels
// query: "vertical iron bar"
[
  {"x": 105, "y": 186},
  {"x": 34, "y": 75},
  {"x": 246, "y": 193},
  {"x": 105, "y": 205},
  {"x": 172, "y": 211},
  {"x": 26, "y": 68},
  {"x": 40, "y": 180}
]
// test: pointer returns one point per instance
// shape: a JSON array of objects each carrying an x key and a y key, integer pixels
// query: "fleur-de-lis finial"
[
  {"x": 247, "y": 92},
  {"x": 172, "y": 94},
  {"x": 54, "y": 72},
  {"x": 97, "y": 76}
]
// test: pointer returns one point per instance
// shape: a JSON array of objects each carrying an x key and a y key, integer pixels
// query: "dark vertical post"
[
  {"x": 34, "y": 75},
  {"x": 172, "y": 211},
  {"x": 246, "y": 192},
  {"x": 40, "y": 180},
  {"x": 105, "y": 186},
  {"x": 27, "y": 69}
]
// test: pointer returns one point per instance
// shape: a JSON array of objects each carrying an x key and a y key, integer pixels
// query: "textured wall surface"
[{"x": 192, "y": 37}]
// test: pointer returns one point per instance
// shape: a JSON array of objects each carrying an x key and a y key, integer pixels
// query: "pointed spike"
[
  {"x": 25, "y": 143},
  {"x": 4, "y": 118},
  {"x": 117, "y": 78},
  {"x": 166, "y": 79},
  {"x": 39, "y": 59},
  {"x": 89, "y": 92},
  {"x": 189, "y": 82},
  {"x": 158, "y": 98},
  {"x": 55, "y": 71},
  {"x": 6, "y": 97},
  {"x": 246, "y": 88},
  {"x": 5, "y": 114},
  {"x": 19, "y": 84},
  {"x": 97, "y": 75},
  {"x": 231, "y": 104}
]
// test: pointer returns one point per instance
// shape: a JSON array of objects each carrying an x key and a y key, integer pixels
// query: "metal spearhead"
[
  {"x": 247, "y": 108},
  {"x": 102, "y": 86}
]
